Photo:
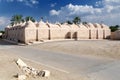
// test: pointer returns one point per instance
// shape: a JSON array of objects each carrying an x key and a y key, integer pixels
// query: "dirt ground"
[
  {"x": 103, "y": 48},
  {"x": 9, "y": 69}
]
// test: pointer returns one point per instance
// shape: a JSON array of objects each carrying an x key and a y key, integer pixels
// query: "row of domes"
[{"x": 42, "y": 24}]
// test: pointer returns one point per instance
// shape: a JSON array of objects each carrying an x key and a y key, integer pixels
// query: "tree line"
[
  {"x": 77, "y": 20},
  {"x": 19, "y": 18},
  {"x": 114, "y": 28}
]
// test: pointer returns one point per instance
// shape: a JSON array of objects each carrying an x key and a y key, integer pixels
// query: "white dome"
[
  {"x": 74, "y": 26},
  {"x": 105, "y": 26},
  {"x": 54, "y": 25},
  {"x": 90, "y": 25},
  {"x": 8, "y": 26},
  {"x": 30, "y": 24},
  {"x": 23, "y": 24},
  {"x": 42, "y": 24},
  {"x": 82, "y": 26},
  {"x": 97, "y": 25},
  {"x": 65, "y": 25}
]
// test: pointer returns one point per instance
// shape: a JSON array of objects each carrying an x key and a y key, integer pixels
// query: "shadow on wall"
[
  {"x": 68, "y": 35},
  {"x": 74, "y": 36},
  {"x": 115, "y": 35},
  {"x": 19, "y": 41},
  {"x": 108, "y": 37}
]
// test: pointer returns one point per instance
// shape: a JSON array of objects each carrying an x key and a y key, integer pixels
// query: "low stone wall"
[{"x": 115, "y": 35}]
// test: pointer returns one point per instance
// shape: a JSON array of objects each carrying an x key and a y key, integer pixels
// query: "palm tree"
[
  {"x": 76, "y": 20},
  {"x": 114, "y": 28},
  {"x": 69, "y": 22},
  {"x": 16, "y": 19},
  {"x": 29, "y": 18},
  {"x": 84, "y": 22}
]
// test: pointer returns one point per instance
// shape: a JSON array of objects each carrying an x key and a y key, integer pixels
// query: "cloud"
[
  {"x": 54, "y": 12},
  {"x": 98, "y": 3},
  {"x": 53, "y": 4},
  {"x": 29, "y": 3},
  {"x": 4, "y": 21},
  {"x": 34, "y": 1},
  {"x": 107, "y": 11}
]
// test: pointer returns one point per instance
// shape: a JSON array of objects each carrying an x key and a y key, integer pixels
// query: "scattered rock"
[
  {"x": 22, "y": 77},
  {"x": 20, "y": 63},
  {"x": 30, "y": 71},
  {"x": 47, "y": 73}
]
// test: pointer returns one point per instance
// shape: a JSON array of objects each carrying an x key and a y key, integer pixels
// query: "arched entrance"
[
  {"x": 74, "y": 35},
  {"x": 68, "y": 35}
]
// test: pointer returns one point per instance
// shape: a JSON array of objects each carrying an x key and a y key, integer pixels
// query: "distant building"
[
  {"x": 115, "y": 35},
  {"x": 39, "y": 31}
]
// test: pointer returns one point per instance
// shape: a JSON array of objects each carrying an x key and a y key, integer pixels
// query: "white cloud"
[
  {"x": 109, "y": 13},
  {"x": 4, "y": 21},
  {"x": 98, "y": 3},
  {"x": 53, "y": 4},
  {"x": 54, "y": 12},
  {"x": 34, "y": 1},
  {"x": 26, "y": 2},
  {"x": 29, "y": 2},
  {"x": 111, "y": 2}
]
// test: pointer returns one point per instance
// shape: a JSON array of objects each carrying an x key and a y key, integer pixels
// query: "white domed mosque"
[{"x": 39, "y": 31}]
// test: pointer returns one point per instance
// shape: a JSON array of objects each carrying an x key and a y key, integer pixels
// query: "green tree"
[
  {"x": 114, "y": 28},
  {"x": 2, "y": 32},
  {"x": 69, "y": 22},
  {"x": 16, "y": 19},
  {"x": 84, "y": 22},
  {"x": 76, "y": 20},
  {"x": 29, "y": 18}
]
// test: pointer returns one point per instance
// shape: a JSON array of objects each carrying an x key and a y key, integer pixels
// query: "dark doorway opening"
[
  {"x": 68, "y": 35},
  {"x": 74, "y": 36}
]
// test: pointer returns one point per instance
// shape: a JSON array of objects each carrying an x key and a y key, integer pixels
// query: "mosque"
[{"x": 29, "y": 32}]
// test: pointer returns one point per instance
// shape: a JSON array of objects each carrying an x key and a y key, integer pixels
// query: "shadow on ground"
[{"x": 2, "y": 42}]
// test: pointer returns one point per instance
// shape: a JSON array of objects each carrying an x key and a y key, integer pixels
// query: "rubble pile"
[{"x": 30, "y": 71}]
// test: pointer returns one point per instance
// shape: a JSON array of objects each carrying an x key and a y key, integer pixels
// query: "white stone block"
[
  {"x": 47, "y": 73},
  {"x": 21, "y": 63},
  {"x": 22, "y": 77}
]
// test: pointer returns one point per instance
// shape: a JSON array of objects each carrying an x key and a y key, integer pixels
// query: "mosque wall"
[{"x": 30, "y": 32}]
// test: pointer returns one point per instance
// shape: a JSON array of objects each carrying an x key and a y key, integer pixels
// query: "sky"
[{"x": 94, "y": 11}]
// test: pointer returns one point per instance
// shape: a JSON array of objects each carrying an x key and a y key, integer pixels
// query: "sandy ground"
[
  {"x": 104, "y": 48},
  {"x": 9, "y": 69}
]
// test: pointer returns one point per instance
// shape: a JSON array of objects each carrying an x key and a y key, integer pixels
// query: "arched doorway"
[
  {"x": 68, "y": 35},
  {"x": 74, "y": 35}
]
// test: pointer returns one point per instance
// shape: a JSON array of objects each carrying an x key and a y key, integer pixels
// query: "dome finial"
[{"x": 41, "y": 18}]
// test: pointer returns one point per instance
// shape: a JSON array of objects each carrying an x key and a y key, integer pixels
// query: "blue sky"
[{"x": 106, "y": 11}]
